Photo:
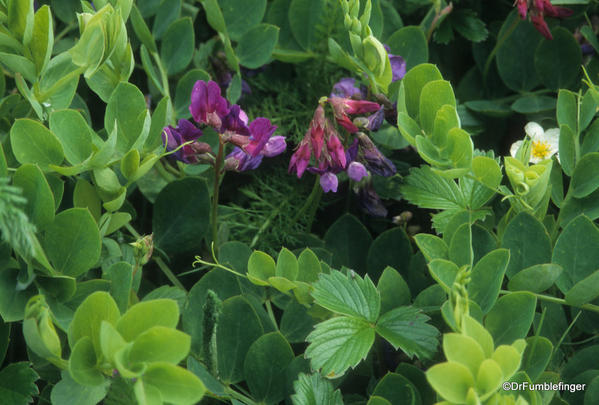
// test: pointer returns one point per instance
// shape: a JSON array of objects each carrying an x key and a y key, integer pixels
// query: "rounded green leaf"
[
  {"x": 528, "y": 243},
  {"x": 585, "y": 178},
  {"x": 82, "y": 363},
  {"x": 434, "y": 95},
  {"x": 515, "y": 58},
  {"x": 536, "y": 278},
  {"x": 567, "y": 149},
  {"x": 35, "y": 188},
  {"x": 87, "y": 321},
  {"x": 176, "y": 49},
  {"x": 241, "y": 16},
  {"x": 411, "y": 44},
  {"x": 472, "y": 328},
  {"x": 256, "y": 46},
  {"x": 451, "y": 380},
  {"x": 308, "y": 266},
  {"x": 412, "y": 85},
  {"x": 304, "y": 17},
  {"x": 584, "y": 291},
  {"x": 536, "y": 356},
  {"x": 511, "y": 317},
  {"x": 160, "y": 343},
  {"x": 238, "y": 327},
  {"x": 126, "y": 106},
  {"x": 287, "y": 265},
  {"x": 264, "y": 366},
  {"x": 146, "y": 314},
  {"x": 391, "y": 248},
  {"x": 176, "y": 385},
  {"x": 31, "y": 142},
  {"x": 111, "y": 341},
  {"x": 488, "y": 378},
  {"x": 558, "y": 60},
  {"x": 576, "y": 251},
  {"x": 86, "y": 196},
  {"x": 394, "y": 389},
  {"x": 393, "y": 289},
  {"x": 444, "y": 272},
  {"x": 533, "y": 104},
  {"x": 349, "y": 242},
  {"x": 72, "y": 242},
  {"x": 296, "y": 322},
  {"x": 260, "y": 268},
  {"x": 486, "y": 278},
  {"x": 431, "y": 246},
  {"x": 74, "y": 134},
  {"x": 464, "y": 350},
  {"x": 181, "y": 230}
]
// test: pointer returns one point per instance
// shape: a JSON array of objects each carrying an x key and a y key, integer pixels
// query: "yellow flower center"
[{"x": 540, "y": 150}]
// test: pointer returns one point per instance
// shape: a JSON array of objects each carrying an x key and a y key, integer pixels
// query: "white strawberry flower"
[{"x": 543, "y": 144}]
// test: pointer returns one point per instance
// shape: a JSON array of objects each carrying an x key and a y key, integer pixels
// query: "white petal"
[
  {"x": 514, "y": 148},
  {"x": 534, "y": 130},
  {"x": 552, "y": 138}
]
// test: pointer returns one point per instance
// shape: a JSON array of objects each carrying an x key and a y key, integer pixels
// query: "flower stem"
[
  {"x": 217, "y": 173},
  {"x": 561, "y": 301}
]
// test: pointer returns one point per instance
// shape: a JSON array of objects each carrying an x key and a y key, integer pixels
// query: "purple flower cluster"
[
  {"x": 323, "y": 148},
  {"x": 252, "y": 140},
  {"x": 322, "y": 143}
]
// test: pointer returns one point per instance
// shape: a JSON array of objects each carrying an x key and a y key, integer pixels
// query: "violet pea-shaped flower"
[{"x": 207, "y": 104}]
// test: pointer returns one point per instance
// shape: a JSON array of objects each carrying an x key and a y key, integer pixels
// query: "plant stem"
[
  {"x": 236, "y": 395},
  {"x": 168, "y": 273},
  {"x": 217, "y": 172},
  {"x": 561, "y": 301},
  {"x": 498, "y": 45},
  {"x": 163, "y": 75},
  {"x": 271, "y": 314},
  {"x": 165, "y": 269}
]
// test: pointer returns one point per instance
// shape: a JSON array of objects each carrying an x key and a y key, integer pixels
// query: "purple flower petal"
[
  {"x": 207, "y": 104},
  {"x": 329, "y": 182},
  {"x": 234, "y": 122},
  {"x": 240, "y": 161},
  {"x": 398, "y": 67},
  {"x": 260, "y": 129},
  {"x": 356, "y": 171},
  {"x": 275, "y": 146},
  {"x": 346, "y": 88}
]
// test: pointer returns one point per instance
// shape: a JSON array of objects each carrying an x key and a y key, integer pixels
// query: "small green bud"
[
  {"x": 354, "y": 8},
  {"x": 356, "y": 26},
  {"x": 143, "y": 248},
  {"x": 365, "y": 18},
  {"x": 344, "y": 6},
  {"x": 375, "y": 55},
  {"x": 347, "y": 22}
]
